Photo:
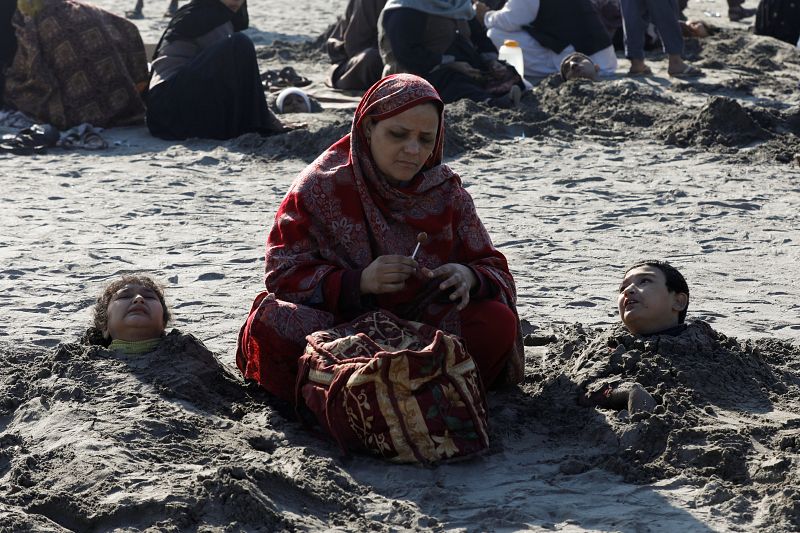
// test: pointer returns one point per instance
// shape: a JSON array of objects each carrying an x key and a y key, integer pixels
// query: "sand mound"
[
  {"x": 617, "y": 105},
  {"x": 740, "y": 49},
  {"x": 95, "y": 440},
  {"x": 613, "y": 109},
  {"x": 304, "y": 143},
  {"x": 721, "y": 121},
  {"x": 724, "y": 124},
  {"x": 726, "y": 414}
]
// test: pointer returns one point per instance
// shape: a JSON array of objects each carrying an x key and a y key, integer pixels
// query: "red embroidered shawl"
[{"x": 340, "y": 214}]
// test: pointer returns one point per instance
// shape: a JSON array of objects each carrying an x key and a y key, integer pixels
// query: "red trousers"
[
  {"x": 273, "y": 339},
  {"x": 489, "y": 329}
]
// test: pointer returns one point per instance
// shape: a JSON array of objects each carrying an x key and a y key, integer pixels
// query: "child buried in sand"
[
  {"x": 131, "y": 315},
  {"x": 653, "y": 298}
]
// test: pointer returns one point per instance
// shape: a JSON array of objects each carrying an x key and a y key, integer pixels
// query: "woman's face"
[
  {"x": 401, "y": 144},
  {"x": 134, "y": 314},
  {"x": 233, "y": 5}
]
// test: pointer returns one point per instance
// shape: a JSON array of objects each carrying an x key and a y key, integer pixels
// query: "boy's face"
[
  {"x": 135, "y": 314},
  {"x": 578, "y": 66},
  {"x": 645, "y": 304}
]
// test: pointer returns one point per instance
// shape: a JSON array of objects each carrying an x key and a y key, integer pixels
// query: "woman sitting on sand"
[
  {"x": 130, "y": 315},
  {"x": 205, "y": 80},
  {"x": 71, "y": 63},
  {"x": 343, "y": 236},
  {"x": 779, "y": 19},
  {"x": 445, "y": 44}
]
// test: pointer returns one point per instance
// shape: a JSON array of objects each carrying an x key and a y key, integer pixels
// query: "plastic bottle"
[{"x": 511, "y": 53}]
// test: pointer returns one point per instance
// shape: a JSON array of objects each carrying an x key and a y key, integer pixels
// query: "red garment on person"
[{"x": 338, "y": 216}]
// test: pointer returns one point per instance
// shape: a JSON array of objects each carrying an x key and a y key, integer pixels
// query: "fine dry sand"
[{"x": 580, "y": 181}]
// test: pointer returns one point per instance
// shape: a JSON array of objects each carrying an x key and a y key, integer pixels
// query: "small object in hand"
[{"x": 422, "y": 238}]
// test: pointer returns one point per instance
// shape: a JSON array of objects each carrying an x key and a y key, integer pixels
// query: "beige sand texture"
[{"x": 580, "y": 181}]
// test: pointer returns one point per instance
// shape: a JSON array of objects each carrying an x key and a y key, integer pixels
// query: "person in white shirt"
[{"x": 548, "y": 31}]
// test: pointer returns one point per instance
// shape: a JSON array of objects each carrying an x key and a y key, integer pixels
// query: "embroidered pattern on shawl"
[
  {"x": 76, "y": 63},
  {"x": 341, "y": 214}
]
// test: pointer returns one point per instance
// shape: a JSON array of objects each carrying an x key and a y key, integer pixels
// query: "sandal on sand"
[
  {"x": 272, "y": 79},
  {"x": 84, "y": 136},
  {"x": 34, "y": 140},
  {"x": 290, "y": 75},
  {"x": 688, "y": 72},
  {"x": 647, "y": 71}
]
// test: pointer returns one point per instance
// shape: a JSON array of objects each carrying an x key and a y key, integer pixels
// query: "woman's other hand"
[
  {"x": 480, "y": 11},
  {"x": 387, "y": 273},
  {"x": 459, "y": 277},
  {"x": 464, "y": 68}
]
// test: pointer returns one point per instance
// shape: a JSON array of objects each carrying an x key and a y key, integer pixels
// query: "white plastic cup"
[{"x": 511, "y": 53}]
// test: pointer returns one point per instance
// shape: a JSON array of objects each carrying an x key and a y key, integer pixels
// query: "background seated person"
[
  {"x": 205, "y": 80},
  {"x": 72, "y": 63},
  {"x": 131, "y": 314},
  {"x": 779, "y": 19},
  {"x": 443, "y": 43},
  {"x": 550, "y": 30},
  {"x": 343, "y": 236},
  {"x": 353, "y": 46}
]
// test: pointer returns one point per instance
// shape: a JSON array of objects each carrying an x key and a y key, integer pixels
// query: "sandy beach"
[{"x": 578, "y": 182}]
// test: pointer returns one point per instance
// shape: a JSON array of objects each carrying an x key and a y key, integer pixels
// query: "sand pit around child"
[{"x": 579, "y": 181}]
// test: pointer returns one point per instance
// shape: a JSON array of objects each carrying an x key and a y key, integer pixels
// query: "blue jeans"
[{"x": 637, "y": 14}]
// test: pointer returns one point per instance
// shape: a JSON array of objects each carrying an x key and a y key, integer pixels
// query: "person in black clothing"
[
  {"x": 445, "y": 44},
  {"x": 8, "y": 41},
  {"x": 353, "y": 47},
  {"x": 205, "y": 80},
  {"x": 779, "y": 19}
]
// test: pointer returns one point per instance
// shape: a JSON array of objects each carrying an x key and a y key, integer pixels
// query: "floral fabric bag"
[{"x": 399, "y": 389}]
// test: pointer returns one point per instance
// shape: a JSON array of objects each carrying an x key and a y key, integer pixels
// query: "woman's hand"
[
  {"x": 480, "y": 11},
  {"x": 459, "y": 277},
  {"x": 387, "y": 273},
  {"x": 464, "y": 68}
]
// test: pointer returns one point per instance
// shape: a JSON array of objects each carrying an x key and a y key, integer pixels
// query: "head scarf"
[
  {"x": 340, "y": 213},
  {"x": 452, "y": 9},
  {"x": 288, "y": 92},
  {"x": 199, "y": 17}
]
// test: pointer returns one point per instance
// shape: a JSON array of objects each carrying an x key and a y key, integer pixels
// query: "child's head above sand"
[
  {"x": 653, "y": 297},
  {"x": 579, "y": 66},
  {"x": 131, "y": 308}
]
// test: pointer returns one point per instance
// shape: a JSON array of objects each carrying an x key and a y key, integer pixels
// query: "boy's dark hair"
[
  {"x": 675, "y": 280},
  {"x": 563, "y": 67},
  {"x": 101, "y": 307}
]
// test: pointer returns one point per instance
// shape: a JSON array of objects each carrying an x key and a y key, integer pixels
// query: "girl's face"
[
  {"x": 400, "y": 145},
  {"x": 134, "y": 314},
  {"x": 233, "y": 5}
]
